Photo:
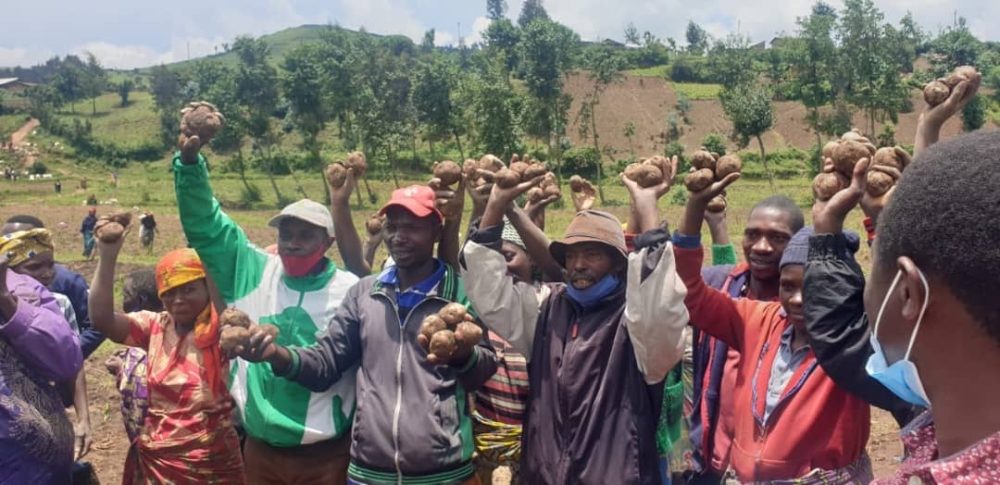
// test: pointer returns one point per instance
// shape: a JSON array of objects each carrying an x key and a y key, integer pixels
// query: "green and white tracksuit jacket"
[{"x": 273, "y": 410}]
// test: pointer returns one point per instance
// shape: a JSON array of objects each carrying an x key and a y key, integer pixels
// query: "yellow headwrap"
[
  {"x": 178, "y": 268},
  {"x": 23, "y": 245}
]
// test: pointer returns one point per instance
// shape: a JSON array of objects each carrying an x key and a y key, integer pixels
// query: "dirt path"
[{"x": 18, "y": 137}]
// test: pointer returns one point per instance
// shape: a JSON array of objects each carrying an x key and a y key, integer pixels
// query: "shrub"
[
  {"x": 715, "y": 142},
  {"x": 38, "y": 168},
  {"x": 676, "y": 149},
  {"x": 582, "y": 161}
]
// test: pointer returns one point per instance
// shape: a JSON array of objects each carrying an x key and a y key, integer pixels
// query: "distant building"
[
  {"x": 10, "y": 93},
  {"x": 12, "y": 85},
  {"x": 758, "y": 46},
  {"x": 779, "y": 42}
]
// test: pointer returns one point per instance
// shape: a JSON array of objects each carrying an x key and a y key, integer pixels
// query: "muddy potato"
[
  {"x": 878, "y": 183},
  {"x": 887, "y": 156},
  {"x": 826, "y": 185},
  {"x": 518, "y": 167},
  {"x": 358, "y": 162},
  {"x": 936, "y": 92},
  {"x": 468, "y": 335},
  {"x": 432, "y": 324},
  {"x": 847, "y": 155},
  {"x": 443, "y": 345},
  {"x": 854, "y": 135},
  {"x": 536, "y": 195},
  {"x": 448, "y": 172},
  {"x": 109, "y": 232},
  {"x": 201, "y": 119},
  {"x": 631, "y": 171},
  {"x": 648, "y": 176},
  {"x": 535, "y": 170},
  {"x": 727, "y": 165},
  {"x": 490, "y": 163},
  {"x": 469, "y": 169},
  {"x": 270, "y": 330},
  {"x": 717, "y": 204},
  {"x": 966, "y": 71},
  {"x": 232, "y": 337},
  {"x": 373, "y": 225},
  {"x": 699, "y": 180},
  {"x": 234, "y": 318},
  {"x": 703, "y": 159},
  {"x": 552, "y": 191},
  {"x": 829, "y": 148},
  {"x": 123, "y": 218},
  {"x": 576, "y": 184},
  {"x": 336, "y": 175},
  {"x": 507, "y": 178},
  {"x": 453, "y": 314}
]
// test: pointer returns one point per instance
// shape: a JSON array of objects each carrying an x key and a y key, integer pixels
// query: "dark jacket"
[
  {"x": 71, "y": 284},
  {"x": 837, "y": 326},
  {"x": 596, "y": 375},
  {"x": 412, "y": 418}
]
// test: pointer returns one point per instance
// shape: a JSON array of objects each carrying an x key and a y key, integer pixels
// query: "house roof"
[{"x": 12, "y": 81}]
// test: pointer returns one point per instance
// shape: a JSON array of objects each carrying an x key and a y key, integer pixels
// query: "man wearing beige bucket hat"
[{"x": 598, "y": 347}]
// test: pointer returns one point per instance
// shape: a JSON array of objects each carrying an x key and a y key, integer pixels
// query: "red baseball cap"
[{"x": 418, "y": 199}]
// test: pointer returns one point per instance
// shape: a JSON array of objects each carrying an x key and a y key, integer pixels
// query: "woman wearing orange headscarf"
[{"x": 188, "y": 434}]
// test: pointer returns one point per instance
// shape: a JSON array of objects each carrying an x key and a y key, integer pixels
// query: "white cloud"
[
  {"x": 478, "y": 27},
  {"x": 382, "y": 17},
  {"x": 21, "y": 56}
]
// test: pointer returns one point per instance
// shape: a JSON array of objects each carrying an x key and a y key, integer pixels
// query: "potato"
[
  {"x": 358, "y": 162},
  {"x": 968, "y": 72},
  {"x": 854, "y": 135},
  {"x": 552, "y": 191},
  {"x": 536, "y": 195},
  {"x": 699, "y": 180},
  {"x": 270, "y": 330},
  {"x": 469, "y": 169},
  {"x": 373, "y": 225},
  {"x": 936, "y": 92},
  {"x": 234, "y": 318},
  {"x": 878, "y": 183},
  {"x": 232, "y": 337},
  {"x": 201, "y": 119},
  {"x": 468, "y": 335},
  {"x": 648, "y": 176},
  {"x": 717, "y": 204},
  {"x": 631, "y": 171},
  {"x": 829, "y": 148},
  {"x": 507, "y": 178},
  {"x": 448, "y": 171},
  {"x": 453, "y": 314},
  {"x": 442, "y": 346},
  {"x": 336, "y": 175},
  {"x": 432, "y": 324},
  {"x": 518, "y": 167},
  {"x": 577, "y": 184},
  {"x": 726, "y": 165},
  {"x": 826, "y": 185},
  {"x": 490, "y": 163},
  {"x": 887, "y": 156},
  {"x": 703, "y": 159},
  {"x": 109, "y": 232},
  {"x": 847, "y": 155},
  {"x": 534, "y": 170},
  {"x": 123, "y": 218}
]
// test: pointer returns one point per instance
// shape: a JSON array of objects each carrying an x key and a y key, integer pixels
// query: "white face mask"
[{"x": 901, "y": 378}]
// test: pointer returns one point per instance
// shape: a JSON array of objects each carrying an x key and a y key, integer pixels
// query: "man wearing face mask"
[
  {"x": 294, "y": 435},
  {"x": 934, "y": 340},
  {"x": 598, "y": 348}
]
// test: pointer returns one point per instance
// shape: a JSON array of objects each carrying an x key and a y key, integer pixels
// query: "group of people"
[{"x": 612, "y": 355}]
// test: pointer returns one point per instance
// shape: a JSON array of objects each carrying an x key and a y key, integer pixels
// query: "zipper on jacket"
[{"x": 563, "y": 403}]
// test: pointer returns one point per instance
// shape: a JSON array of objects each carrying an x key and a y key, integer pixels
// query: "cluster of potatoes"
[
  {"x": 110, "y": 228},
  {"x": 845, "y": 154},
  {"x": 235, "y": 334},
  {"x": 707, "y": 168},
  {"x": 201, "y": 119},
  {"x": 336, "y": 172},
  {"x": 937, "y": 91},
  {"x": 447, "y": 333}
]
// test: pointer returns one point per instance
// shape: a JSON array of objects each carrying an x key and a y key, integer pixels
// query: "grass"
[
  {"x": 9, "y": 124},
  {"x": 660, "y": 72},
  {"x": 698, "y": 92},
  {"x": 130, "y": 125}
]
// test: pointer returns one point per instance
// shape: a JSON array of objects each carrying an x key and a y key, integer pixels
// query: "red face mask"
[{"x": 299, "y": 266}]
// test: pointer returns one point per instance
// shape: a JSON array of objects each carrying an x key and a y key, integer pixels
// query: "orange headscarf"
[{"x": 178, "y": 268}]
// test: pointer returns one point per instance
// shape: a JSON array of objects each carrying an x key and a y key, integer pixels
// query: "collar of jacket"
[{"x": 448, "y": 288}]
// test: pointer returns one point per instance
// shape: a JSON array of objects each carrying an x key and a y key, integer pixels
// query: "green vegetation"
[
  {"x": 660, "y": 72},
  {"x": 697, "y": 92},
  {"x": 129, "y": 126}
]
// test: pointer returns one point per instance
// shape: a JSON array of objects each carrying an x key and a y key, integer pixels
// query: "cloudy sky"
[{"x": 128, "y": 33}]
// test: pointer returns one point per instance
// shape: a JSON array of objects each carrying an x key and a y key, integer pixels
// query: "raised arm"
[
  {"x": 723, "y": 251},
  {"x": 833, "y": 302},
  {"x": 655, "y": 315},
  {"x": 452, "y": 206},
  {"x": 536, "y": 242},
  {"x": 30, "y": 320},
  {"x": 234, "y": 263},
  {"x": 933, "y": 118},
  {"x": 101, "y": 301},
  {"x": 348, "y": 241}
]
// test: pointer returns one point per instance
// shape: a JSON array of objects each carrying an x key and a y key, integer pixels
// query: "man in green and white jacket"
[{"x": 294, "y": 435}]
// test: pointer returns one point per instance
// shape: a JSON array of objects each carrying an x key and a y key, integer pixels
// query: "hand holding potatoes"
[
  {"x": 708, "y": 168},
  {"x": 449, "y": 336},
  {"x": 238, "y": 336},
  {"x": 111, "y": 228}
]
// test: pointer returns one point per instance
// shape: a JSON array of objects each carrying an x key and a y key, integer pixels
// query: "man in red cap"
[
  {"x": 598, "y": 347},
  {"x": 412, "y": 422}
]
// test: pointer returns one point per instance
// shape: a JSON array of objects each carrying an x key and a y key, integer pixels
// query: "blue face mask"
[
  {"x": 597, "y": 292},
  {"x": 901, "y": 378}
]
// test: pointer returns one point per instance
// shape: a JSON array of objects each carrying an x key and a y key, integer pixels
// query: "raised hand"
[
  {"x": 828, "y": 216},
  {"x": 342, "y": 195},
  {"x": 585, "y": 198},
  {"x": 450, "y": 202}
]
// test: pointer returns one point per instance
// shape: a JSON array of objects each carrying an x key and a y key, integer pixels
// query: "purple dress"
[{"x": 37, "y": 349}]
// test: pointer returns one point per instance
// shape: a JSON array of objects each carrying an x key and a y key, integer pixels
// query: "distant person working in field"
[
  {"x": 87, "y": 233},
  {"x": 147, "y": 230},
  {"x": 294, "y": 435}
]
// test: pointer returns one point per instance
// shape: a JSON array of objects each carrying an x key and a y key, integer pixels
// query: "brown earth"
[
  {"x": 18, "y": 137},
  {"x": 647, "y": 101}
]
